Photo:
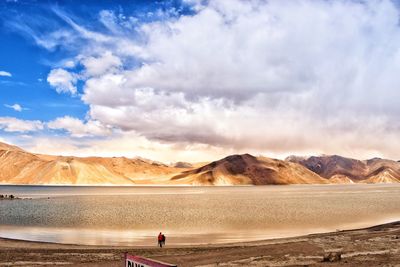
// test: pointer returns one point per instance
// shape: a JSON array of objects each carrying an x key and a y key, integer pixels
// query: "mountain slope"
[
  {"x": 247, "y": 169},
  {"x": 343, "y": 170},
  {"x": 20, "y": 167}
]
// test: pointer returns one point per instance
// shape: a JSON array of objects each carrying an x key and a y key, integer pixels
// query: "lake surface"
[{"x": 190, "y": 215}]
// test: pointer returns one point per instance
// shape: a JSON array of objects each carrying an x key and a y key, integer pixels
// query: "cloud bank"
[
  {"x": 266, "y": 76},
  {"x": 78, "y": 128},
  {"x": 10, "y": 124}
]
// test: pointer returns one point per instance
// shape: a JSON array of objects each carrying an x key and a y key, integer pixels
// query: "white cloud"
[
  {"x": 63, "y": 81},
  {"x": 196, "y": 5},
  {"x": 283, "y": 76},
  {"x": 10, "y": 124},
  {"x": 77, "y": 128},
  {"x": 109, "y": 20},
  {"x": 267, "y": 76},
  {"x": 69, "y": 63},
  {"x": 16, "y": 107},
  {"x": 26, "y": 26},
  {"x": 106, "y": 63},
  {"x": 5, "y": 73},
  {"x": 125, "y": 144}
]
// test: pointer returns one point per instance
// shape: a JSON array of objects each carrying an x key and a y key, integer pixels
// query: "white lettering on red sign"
[
  {"x": 130, "y": 263},
  {"x": 136, "y": 261}
]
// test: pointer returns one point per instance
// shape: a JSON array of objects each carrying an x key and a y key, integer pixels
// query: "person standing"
[
  {"x": 163, "y": 239},
  {"x": 160, "y": 239}
]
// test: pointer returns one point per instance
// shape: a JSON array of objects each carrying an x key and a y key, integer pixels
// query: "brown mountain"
[
  {"x": 346, "y": 170},
  {"x": 247, "y": 169},
  {"x": 20, "y": 167}
]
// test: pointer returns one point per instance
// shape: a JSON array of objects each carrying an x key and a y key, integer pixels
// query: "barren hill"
[
  {"x": 20, "y": 167},
  {"x": 346, "y": 170},
  {"x": 247, "y": 169}
]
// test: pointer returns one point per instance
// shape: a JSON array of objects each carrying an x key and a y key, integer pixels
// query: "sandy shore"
[{"x": 374, "y": 246}]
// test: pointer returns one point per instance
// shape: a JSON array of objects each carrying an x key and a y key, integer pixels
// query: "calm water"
[{"x": 190, "y": 215}]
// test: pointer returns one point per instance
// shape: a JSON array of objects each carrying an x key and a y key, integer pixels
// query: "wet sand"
[{"x": 374, "y": 246}]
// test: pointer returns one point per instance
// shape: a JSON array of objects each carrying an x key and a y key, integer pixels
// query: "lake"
[{"x": 134, "y": 216}]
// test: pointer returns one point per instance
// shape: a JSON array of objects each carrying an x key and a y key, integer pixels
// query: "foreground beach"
[{"x": 374, "y": 246}]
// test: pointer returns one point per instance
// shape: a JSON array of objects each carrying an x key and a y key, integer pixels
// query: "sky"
[{"x": 196, "y": 80}]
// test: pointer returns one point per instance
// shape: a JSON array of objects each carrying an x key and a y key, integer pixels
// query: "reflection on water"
[
  {"x": 190, "y": 215},
  {"x": 134, "y": 238}
]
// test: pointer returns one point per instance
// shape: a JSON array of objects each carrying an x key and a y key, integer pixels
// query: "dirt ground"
[{"x": 375, "y": 246}]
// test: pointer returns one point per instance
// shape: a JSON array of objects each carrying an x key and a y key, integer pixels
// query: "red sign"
[{"x": 136, "y": 261}]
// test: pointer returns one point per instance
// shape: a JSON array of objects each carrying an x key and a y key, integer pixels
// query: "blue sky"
[
  {"x": 30, "y": 64},
  {"x": 196, "y": 80}
]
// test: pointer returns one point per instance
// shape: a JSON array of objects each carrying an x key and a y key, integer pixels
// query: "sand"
[{"x": 374, "y": 246}]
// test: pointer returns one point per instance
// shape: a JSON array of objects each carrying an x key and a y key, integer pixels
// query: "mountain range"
[
  {"x": 18, "y": 166},
  {"x": 339, "y": 169}
]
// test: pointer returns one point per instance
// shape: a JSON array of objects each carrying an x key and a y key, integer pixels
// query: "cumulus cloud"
[
  {"x": 63, "y": 81},
  {"x": 5, "y": 73},
  {"x": 279, "y": 76},
  {"x": 16, "y": 107},
  {"x": 267, "y": 76},
  {"x": 69, "y": 64},
  {"x": 77, "y": 128},
  {"x": 105, "y": 63},
  {"x": 10, "y": 124}
]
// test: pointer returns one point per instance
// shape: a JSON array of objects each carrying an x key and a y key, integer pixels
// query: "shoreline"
[
  {"x": 212, "y": 242},
  {"x": 359, "y": 247}
]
